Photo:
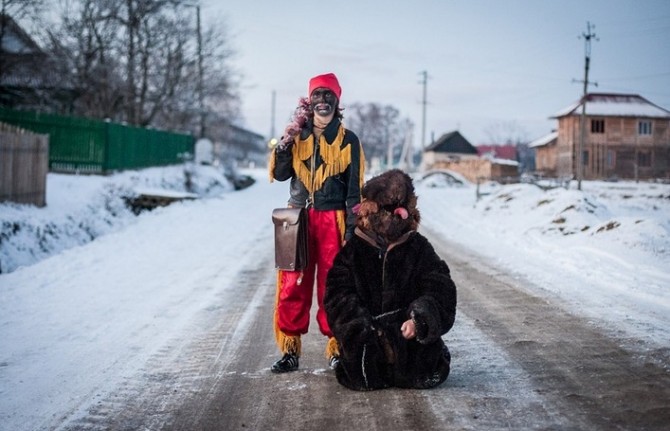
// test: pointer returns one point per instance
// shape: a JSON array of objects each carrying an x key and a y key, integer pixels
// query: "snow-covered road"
[{"x": 76, "y": 327}]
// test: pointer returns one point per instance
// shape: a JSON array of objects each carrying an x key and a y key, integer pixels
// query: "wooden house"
[
  {"x": 450, "y": 147},
  {"x": 625, "y": 136},
  {"x": 453, "y": 152},
  {"x": 545, "y": 154},
  {"x": 29, "y": 77}
]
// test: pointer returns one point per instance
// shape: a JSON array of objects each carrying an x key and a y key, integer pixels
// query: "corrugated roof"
[{"x": 615, "y": 105}]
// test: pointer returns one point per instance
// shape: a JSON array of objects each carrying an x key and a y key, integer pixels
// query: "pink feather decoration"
[{"x": 300, "y": 116}]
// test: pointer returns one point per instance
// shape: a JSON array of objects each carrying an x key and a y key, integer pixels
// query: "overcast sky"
[{"x": 491, "y": 63}]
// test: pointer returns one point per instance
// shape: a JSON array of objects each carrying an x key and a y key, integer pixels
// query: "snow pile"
[
  {"x": 603, "y": 251},
  {"x": 82, "y": 208},
  {"x": 631, "y": 215}
]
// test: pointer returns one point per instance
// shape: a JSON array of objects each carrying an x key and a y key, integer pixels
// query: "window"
[
  {"x": 644, "y": 159},
  {"x": 597, "y": 126},
  {"x": 644, "y": 127}
]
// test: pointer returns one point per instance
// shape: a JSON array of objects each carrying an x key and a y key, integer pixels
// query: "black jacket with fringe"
[
  {"x": 370, "y": 292},
  {"x": 339, "y": 192}
]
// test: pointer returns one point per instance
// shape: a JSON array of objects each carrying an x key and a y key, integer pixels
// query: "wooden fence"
[{"x": 24, "y": 163}]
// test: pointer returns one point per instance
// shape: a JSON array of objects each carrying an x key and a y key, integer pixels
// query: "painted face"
[{"x": 323, "y": 102}]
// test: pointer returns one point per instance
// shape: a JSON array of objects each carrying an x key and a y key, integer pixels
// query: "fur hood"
[{"x": 388, "y": 209}]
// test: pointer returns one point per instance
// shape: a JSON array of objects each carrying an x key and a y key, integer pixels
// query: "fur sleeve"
[
  {"x": 434, "y": 311},
  {"x": 347, "y": 317}
]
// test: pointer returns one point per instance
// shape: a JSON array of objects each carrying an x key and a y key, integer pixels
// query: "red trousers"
[{"x": 296, "y": 288}]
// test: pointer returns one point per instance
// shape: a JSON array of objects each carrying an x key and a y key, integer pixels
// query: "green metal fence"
[{"x": 94, "y": 146}]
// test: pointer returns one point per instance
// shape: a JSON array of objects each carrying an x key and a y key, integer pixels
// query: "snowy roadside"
[
  {"x": 81, "y": 208},
  {"x": 603, "y": 251},
  {"x": 81, "y": 322}
]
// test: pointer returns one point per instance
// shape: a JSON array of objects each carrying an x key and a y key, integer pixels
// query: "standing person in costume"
[
  {"x": 325, "y": 164},
  {"x": 389, "y": 296}
]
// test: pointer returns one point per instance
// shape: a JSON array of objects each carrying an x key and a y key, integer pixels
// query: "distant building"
[
  {"x": 519, "y": 152},
  {"x": 450, "y": 147},
  {"x": 453, "y": 152},
  {"x": 526, "y": 157},
  {"x": 29, "y": 77},
  {"x": 243, "y": 147},
  {"x": 545, "y": 154},
  {"x": 507, "y": 151},
  {"x": 625, "y": 136}
]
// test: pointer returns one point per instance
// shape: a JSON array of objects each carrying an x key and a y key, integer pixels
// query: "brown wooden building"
[
  {"x": 545, "y": 154},
  {"x": 625, "y": 136},
  {"x": 453, "y": 152}
]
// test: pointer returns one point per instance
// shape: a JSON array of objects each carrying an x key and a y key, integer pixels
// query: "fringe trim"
[
  {"x": 286, "y": 343},
  {"x": 361, "y": 168},
  {"x": 341, "y": 216},
  {"x": 335, "y": 159},
  {"x": 332, "y": 348},
  {"x": 271, "y": 165}
]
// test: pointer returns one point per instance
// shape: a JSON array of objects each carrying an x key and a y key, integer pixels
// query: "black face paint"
[{"x": 323, "y": 102}]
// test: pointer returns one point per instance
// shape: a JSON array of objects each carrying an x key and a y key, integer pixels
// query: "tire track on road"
[
  {"x": 188, "y": 366},
  {"x": 587, "y": 377}
]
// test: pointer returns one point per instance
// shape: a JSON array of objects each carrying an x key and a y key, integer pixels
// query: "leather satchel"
[{"x": 291, "y": 250}]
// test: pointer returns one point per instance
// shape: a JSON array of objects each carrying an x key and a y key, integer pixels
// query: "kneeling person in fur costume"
[{"x": 389, "y": 297}]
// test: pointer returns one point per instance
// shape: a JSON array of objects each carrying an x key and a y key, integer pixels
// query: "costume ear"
[
  {"x": 367, "y": 207},
  {"x": 414, "y": 213}
]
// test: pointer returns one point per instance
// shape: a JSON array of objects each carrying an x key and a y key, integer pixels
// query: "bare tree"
[
  {"x": 220, "y": 87},
  {"x": 380, "y": 128},
  {"x": 509, "y": 132},
  {"x": 19, "y": 9},
  {"x": 85, "y": 43},
  {"x": 138, "y": 61}
]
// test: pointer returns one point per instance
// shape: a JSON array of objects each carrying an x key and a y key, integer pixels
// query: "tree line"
[
  {"x": 151, "y": 63},
  {"x": 141, "y": 62}
]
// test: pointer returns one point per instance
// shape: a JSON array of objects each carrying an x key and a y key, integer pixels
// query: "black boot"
[{"x": 288, "y": 362}]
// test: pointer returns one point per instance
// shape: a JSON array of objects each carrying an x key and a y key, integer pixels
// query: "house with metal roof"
[
  {"x": 455, "y": 153},
  {"x": 624, "y": 136}
]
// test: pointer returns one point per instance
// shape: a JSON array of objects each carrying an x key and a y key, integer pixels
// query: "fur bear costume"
[{"x": 386, "y": 274}]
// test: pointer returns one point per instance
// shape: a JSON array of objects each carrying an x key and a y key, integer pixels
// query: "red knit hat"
[{"x": 329, "y": 81}]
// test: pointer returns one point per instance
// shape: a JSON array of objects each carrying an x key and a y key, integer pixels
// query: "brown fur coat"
[{"x": 386, "y": 274}]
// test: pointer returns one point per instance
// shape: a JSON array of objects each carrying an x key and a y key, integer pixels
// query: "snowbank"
[{"x": 81, "y": 208}]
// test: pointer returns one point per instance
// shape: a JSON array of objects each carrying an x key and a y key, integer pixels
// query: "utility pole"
[
  {"x": 424, "y": 102},
  {"x": 201, "y": 95},
  {"x": 582, "y": 119}
]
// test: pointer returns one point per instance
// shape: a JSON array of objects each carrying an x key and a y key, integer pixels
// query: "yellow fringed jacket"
[{"x": 327, "y": 174}]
